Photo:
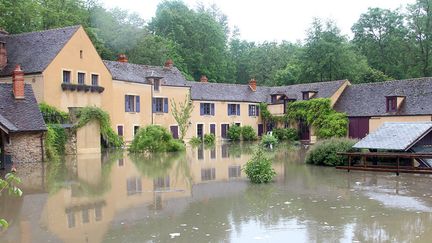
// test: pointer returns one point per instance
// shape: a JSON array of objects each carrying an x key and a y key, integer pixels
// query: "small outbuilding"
[
  {"x": 414, "y": 137},
  {"x": 22, "y": 126}
]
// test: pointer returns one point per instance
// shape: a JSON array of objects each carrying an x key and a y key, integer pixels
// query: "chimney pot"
[
  {"x": 204, "y": 79},
  {"x": 169, "y": 64},
  {"x": 3, "y": 55},
  {"x": 18, "y": 83},
  {"x": 253, "y": 84},
  {"x": 122, "y": 58}
]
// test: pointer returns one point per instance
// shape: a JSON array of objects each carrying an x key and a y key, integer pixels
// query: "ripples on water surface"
[{"x": 202, "y": 196}]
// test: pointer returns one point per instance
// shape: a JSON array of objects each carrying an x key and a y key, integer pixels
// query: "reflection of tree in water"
[
  {"x": 60, "y": 176},
  {"x": 155, "y": 165}
]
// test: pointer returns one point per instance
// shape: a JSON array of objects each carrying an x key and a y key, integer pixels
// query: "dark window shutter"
[
  {"x": 238, "y": 109},
  {"x": 229, "y": 110},
  {"x": 127, "y": 103},
  {"x": 250, "y": 110},
  {"x": 165, "y": 105},
  {"x": 137, "y": 103},
  {"x": 257, "y": 110},
  {"x": 201, "y": 109},
  {"x": 212, "y": 109},
  {"x": 154, "y": 105}
]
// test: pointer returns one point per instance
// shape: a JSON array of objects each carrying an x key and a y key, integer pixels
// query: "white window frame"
[
  {"x": 77, "y": 75},
  {"x": 91, "y": 79},
  {"x": 71, "y": 75}
]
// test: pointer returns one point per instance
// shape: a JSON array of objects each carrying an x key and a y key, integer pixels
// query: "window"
[
  {"x": 81, "y": 54},
  {"x": 160, "y": 105},
  {"x": 120, "y": 130},
  {"x": 134, "y": 185},
  {"x": 161, "y": 183},
  {"x": 200, "y": 130},
  {"x": 225, "y": 151},
  {"x": 208, "y": 174},
  {"x": 132, "y": 103},
  {"x": 95, "y": 79},
  {"x": 253, "y": 110},
  {"x": 66, "y": 77},
  {"x": 71, "y": 219},
  {"x": 234, "y": 171},
  {"x": 200, "y": 153},
  {"x": 136, "y": 128},
  {"x": 273, "y": 99},
  {"x": 81, "y": 78},
  {"x": 85, "y": 216},
  {"x": 207, "y": 109},
  {"x": 233, "y": 109},
  {"x": 305, "y": 95},
  {"x": 98, "y": 213},
  {"x": 213, "y": 153},
  {"x": 156, "y": 84},
  {"x": 391, "y": 104}
]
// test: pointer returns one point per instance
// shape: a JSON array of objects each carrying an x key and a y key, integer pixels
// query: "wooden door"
[
  {"x": 174, "y": 132},
  {"x": 200, "y": 131},
  {"x": 304, "y": 131},
  {"x": 358, "y": 127},
  {"x": 224, "y": 130},
  {"x": 260, "y": 129},
  {"x": 213, "y": 129}
]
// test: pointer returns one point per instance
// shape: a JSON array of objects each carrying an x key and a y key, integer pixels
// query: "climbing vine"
[
  {"x": 92, "y": 113},
  {"x": 319, "y": 114},
  {"x": 53, "y": 115}
]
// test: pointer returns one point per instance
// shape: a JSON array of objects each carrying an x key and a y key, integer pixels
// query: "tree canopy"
[{"x": 386, "y": 44}]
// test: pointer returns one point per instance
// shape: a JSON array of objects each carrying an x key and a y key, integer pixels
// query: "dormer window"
[
  {"x": 273, "y": 99},
  {"x": 305, "y": 95},
  {"x": 391, "y": 104},
  {"x": 156, "y": 84}
]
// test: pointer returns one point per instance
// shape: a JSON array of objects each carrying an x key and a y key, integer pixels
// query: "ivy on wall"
[
  {"x": 93, "y": 113},
  {"x": 319, "y": 114}
]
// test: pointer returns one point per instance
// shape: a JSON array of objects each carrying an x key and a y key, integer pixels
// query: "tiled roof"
[
  {"x": 227, "y": 92},
  {"x": 323, "y": 89},
  {"x": 137, "y": 73},
  {"x": 242, "y": 92},
  {"x": 398, "y": 136},
  {"x": 34, "y": 51},
  {"x": 20, "y": 115},
  {"x": 370, "y": 99}
]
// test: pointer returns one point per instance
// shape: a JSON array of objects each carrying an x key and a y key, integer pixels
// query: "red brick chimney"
[
  {"x": 252, "y": 84},
  {"x": 203, "y": 79},
  {"x": 169, "y": 64},
  {"x": 3, "y": 55},
  {"x": 122, "y": 58},
  {"x": 18, "y": 83}
]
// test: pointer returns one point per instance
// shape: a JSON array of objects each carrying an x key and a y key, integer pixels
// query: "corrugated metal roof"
[{"x": 395, "y": 136}]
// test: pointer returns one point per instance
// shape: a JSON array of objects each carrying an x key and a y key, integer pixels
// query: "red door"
[{"x": 358, "y": 127}]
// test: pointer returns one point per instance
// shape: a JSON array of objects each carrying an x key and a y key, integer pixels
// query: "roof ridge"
[
  {"x": 394, "y": 81},
  {"x": 135, "y": 64},
  {"x": 40, "y": 31}
]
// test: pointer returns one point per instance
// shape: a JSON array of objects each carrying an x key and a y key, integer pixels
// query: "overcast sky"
[{"x": 274, "y": 19}]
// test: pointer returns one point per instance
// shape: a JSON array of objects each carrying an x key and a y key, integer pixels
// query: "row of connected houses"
[{"x": 64, "y": 70}]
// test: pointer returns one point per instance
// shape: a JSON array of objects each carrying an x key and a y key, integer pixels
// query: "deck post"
[
  {"x": 349, "y": 162},
  {"x": 397, "y": 171}
]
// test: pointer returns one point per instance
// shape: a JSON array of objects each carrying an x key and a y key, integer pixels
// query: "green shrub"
[
  {"x": 209, "y": 139},
  {"x": 55, "y": 141},
  {"x": 154, "y": 138},
  {"x": 285, "y": 134},
  {"x": 259, "y": 168},
  {"x": 248, "y": 133},
  {"x": 268, "y": 140},
  {"x": 234, "y": 132},
  {"x": 195, "y": 141},
  {"x": 325, "y": 152}
]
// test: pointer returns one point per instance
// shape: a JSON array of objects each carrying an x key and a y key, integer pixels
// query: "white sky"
[{"x": 274, "y": 19}]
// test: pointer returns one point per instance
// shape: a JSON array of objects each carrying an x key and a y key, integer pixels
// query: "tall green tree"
[
  {"x": 379, "y": 34},
  {"x": 420, "y": 34},
  {"x": 18, "y": 16}
]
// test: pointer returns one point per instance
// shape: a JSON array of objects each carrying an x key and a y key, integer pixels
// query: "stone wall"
[
  {"x": 71, "y": 143},
  {"x": 25, "y": 147}
]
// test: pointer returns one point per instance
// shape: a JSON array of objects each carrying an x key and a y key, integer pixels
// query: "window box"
[
  {"x": 87, "y": 88},
  {"x": 82, "y": 88}
]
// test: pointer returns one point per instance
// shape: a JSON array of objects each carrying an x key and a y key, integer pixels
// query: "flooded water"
[{"x": 202, "y": 195}]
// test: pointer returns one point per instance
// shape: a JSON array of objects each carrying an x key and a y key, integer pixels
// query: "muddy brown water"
[{"x": 202, "y": 195}]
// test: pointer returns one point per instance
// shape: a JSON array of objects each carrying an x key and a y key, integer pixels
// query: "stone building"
[{"x": 22, "y": 126}]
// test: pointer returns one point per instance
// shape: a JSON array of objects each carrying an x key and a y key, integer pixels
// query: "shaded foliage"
[
  {"x": 259, "y": 168},
  {"x": 325, "y": 152},
  {"x": 155, "y": 138}
]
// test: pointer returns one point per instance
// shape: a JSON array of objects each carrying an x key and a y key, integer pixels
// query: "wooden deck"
[{"x": 397, "y": 168}]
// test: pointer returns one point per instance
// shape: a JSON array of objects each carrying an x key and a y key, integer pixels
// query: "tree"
[
  {"x": 182, "y": 113},
  {"x": 9, "y": 184},
  {"x": 420, "y": 33},
  {"x": 18, "y": 16},
  {"x": 379, "y": 34}
]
